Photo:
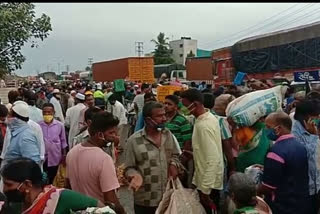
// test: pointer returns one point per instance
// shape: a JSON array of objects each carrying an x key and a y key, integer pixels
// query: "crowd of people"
[{"x": 188, "y": 136}]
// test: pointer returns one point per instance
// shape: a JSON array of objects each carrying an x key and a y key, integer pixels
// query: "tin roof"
[{"x": 281, "y": 37}]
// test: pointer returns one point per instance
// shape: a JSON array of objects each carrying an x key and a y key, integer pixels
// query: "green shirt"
[
  {"x": 180, "y": 128},
  {"x": 255, "y": 151},
  {"x": 68, "y": 200}
]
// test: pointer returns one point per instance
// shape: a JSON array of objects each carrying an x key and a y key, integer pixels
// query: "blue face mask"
[{"x": 271, "y": 134}]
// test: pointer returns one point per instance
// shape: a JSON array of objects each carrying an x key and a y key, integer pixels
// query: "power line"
[
  {"x": 287, "y": 16},
  {"x": 300, "y": 18},
  {"x": 265, "y": 25},
  {"x": 276, "y": 26},
  {"x": 257, "y": 31},
  {"x": 257, "y": 24}
]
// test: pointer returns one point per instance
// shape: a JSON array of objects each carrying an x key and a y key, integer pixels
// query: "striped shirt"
[
  {"x": 224, "y": 126},
  {"x": 180, "y": 128}
]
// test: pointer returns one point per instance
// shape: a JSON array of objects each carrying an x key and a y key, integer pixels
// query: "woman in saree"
[
  {"x": 26, "y": 194},
  {"x": 253, "y": 145}
]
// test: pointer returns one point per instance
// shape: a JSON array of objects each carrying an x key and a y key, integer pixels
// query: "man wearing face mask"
[
  {"x": 23, "y": 141},
  {"x": 55, "y": 100},
  {"x": 55, "y": 141},
  {"x": 151, "y": 158},
  {"x": 89, "y": 169},
  {"x": 305, "y": 129},
  {"x": 207, "y": 150},
  {"x": 285, "y": 178}
]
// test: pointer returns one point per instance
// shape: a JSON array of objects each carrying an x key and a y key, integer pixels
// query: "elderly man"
[
  {"x": 207, "y": 150},
  {"x": 23, "y": 140},
  {"x": 151, "y": 158},
  {"x": 242, "y": 190},
  {"x": 219, "y": 110},
  {"x": 73, "y": 118},
  {"x": 285, "y": 178}
]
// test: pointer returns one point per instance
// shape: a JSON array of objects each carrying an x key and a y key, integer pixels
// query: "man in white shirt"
[
  {"x": 73, "y": 118},
  {"x": 139, "y": 99},
  {"x": 55, "y": 100},
  {"x": 71, "y": 98},
  {"x": 117, "y": 109},
  {"x": 207, "y": 150},
  {"x": 35, "y": 113}
]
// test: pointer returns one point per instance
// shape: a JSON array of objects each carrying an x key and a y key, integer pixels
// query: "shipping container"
[
  {"x": 199, "y": 69},
  {"x": 138, "y": 69}
]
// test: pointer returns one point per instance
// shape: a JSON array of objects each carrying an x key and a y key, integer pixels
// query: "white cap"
[
  {"x": 73, "y": 92},
  {"x": 21, "y": 108},
  {"x": 80, "y": 96},
  {"x": 99, "y": 87},
  {"x": 56, "y": 91}
]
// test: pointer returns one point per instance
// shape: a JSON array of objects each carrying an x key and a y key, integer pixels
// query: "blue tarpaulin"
[{"x": 239, "y": 78}]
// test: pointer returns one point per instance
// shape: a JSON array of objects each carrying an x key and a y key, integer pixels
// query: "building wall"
[{"x": 181, "y": 48}]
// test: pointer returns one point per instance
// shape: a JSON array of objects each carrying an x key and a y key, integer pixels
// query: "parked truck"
[
  {"x": 280, "y": 53},
  {"x": 172, "y": 71},
  {"x": 274, "y": 56},
  {"x": 139, "y": 69}
]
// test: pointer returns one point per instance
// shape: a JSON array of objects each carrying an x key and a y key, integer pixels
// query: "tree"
[
  {"x": 19, "y": 25},
  {"x": 88, "y": 68},
  {"x": 162, "y": 52},
  {"x": 191, "y": 54}
]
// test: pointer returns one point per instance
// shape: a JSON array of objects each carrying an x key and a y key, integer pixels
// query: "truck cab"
[{"x": 179, "y": 75}]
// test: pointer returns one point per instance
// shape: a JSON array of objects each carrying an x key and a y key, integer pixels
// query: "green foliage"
[
  {"x": 162, "y": 53},
  {"x": 88, "y": 68},
  {"x": 19, "y": 25}
]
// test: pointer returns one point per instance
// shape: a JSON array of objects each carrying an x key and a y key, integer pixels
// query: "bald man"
[
  {"x": 285, "y": 179},
  {"x": 219, "y": 109}
]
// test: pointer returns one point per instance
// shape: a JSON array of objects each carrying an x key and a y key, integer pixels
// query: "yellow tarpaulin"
[{"x": 165, "y": 90}]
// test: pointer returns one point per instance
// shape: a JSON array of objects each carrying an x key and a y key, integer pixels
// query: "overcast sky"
[{"x": 107, "y": 31}]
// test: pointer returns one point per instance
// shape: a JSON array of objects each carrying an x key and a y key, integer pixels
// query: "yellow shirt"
[{"x": 207, "y": 154}]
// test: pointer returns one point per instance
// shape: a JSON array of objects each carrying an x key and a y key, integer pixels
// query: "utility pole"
[
  {"x": 139, "y": 48},
  {"x": 90, "y": 60}
]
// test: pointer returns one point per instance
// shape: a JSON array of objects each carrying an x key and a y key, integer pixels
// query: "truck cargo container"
[
  {"x": 200, "y": 69},
  {"x": 223, "y": 68},
  {"x": 140, "y": 69}
]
